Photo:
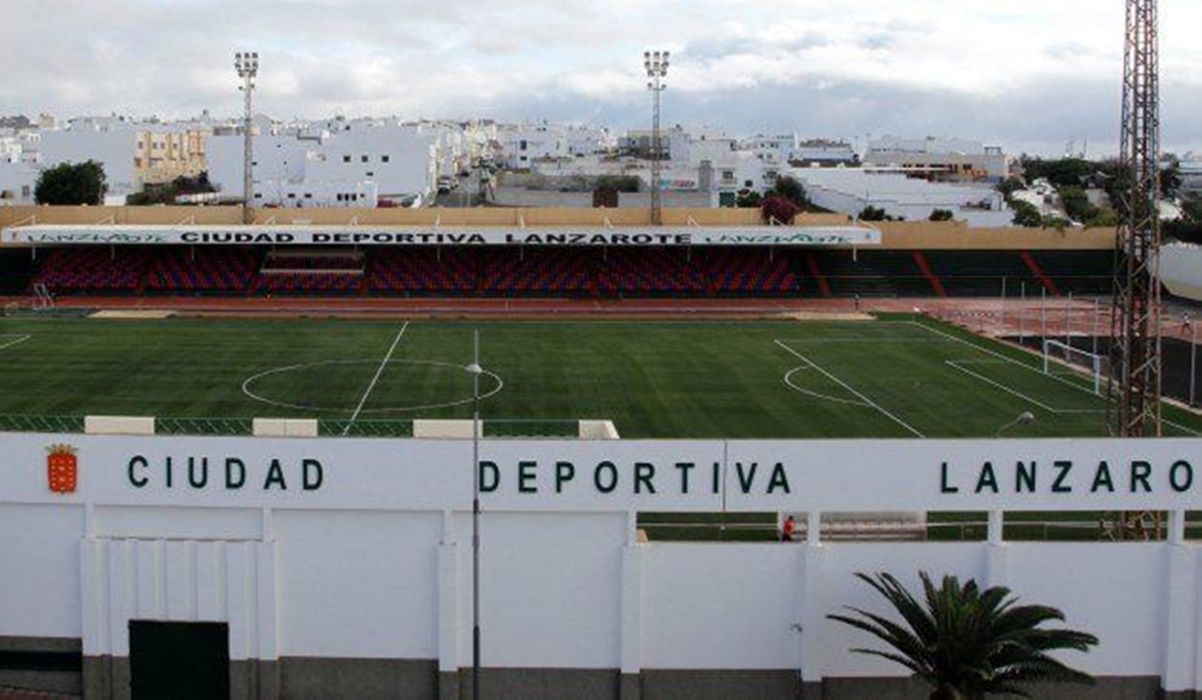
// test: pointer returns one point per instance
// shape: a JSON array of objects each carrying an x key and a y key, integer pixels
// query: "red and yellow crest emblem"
[{"x": 62, "y": 468}]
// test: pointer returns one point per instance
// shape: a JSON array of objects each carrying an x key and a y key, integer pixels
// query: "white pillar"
[
  {"x": 812, "y": 608},
  {"x": 1180, "y": 646},
  {"x": 448, "y": 597},
  {"x": 631, "y": 632},
  {"x": 814, "y": 528},
  {"x": 996, "y": 553}
]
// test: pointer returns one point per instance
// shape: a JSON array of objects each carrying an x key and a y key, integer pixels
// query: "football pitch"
[{"x": 895, "y": 377}]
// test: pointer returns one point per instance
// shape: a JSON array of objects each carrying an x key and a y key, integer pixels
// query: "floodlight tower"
[
  {"x": 1135, "y": 360},
  {"x": 656, "y": 63},
  {"x": 246, "y": 63}
]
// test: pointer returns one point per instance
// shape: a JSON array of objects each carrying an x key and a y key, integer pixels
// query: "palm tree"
[{"x": 968, "y": 642}]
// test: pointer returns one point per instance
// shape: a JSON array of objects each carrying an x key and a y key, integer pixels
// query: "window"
[
  {"x": 370, "y": 174},
  {"x": 346, "y": 159},
  {"x": 258, "y": 195},
  {"x": 364, "y": 159},
  {"x": 291, "y": 195},
  {"x": 523, "y": 145},
  {"x": 308, "y": 195},
  {"x": 385, "y": 159},
  {"x": 339, "y": 197}
]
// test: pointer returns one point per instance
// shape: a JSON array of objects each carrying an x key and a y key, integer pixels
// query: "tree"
[
  {"x": 71, "y": 184},
  {"x": 1008, "y": 187},
  {"x": 967, "y": 642},
  {"x": 788, "y": 187},
  {"x": 748, "y": 199},
  {"x": 1077, "y": 204},
  {"x": 1170, "y": 179},
  {"x": 872, "y": 213},
  {"x": 777, "y": 209},
  {"x": 1027, "y": 214},
  {"x": 942, "y": 215},
  {"x": 1061, "y": 172}
]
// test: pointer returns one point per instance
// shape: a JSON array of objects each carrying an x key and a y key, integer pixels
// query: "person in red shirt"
[{"x": 787, "y": 529}]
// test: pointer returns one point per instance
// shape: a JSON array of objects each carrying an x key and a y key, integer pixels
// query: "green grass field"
[{"x": 779, "y": 379}]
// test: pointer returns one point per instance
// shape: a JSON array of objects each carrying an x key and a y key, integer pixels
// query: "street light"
[
  {"x": 656, "y": 64},
  {"x": 475, "y": 370},
  {"x": 246, "y": 64},
  {"x": 1024, "y": 418}
]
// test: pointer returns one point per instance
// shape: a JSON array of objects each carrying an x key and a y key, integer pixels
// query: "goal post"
[
  {"x": 1061, "y": 359},
  {"x": 43, "y": 299}
]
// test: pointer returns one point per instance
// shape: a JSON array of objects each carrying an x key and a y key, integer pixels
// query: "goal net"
[{"x": 1062, "y": 359}]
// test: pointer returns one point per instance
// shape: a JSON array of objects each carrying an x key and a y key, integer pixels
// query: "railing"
[
  {"x": 516, "y": 428},
  {"x": 40, "y": 424},
  {"x": 365, "y": 428},
  {"x": 381, "y": 428},
  {"x": 203, "y": 426}
]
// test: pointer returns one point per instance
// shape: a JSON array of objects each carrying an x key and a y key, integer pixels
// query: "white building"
[
  {"x": 851, "y": 190},
  {"x": 825, "y": 152},
  {"x": 943, "y": 158},
  {"x": 400, "y": 162},
  {"x": 110, "y": 141},
  {"x": 1191, "y": 176},
  {"x": 775, "y": 149},
  {"x": 523, "y": 144}
]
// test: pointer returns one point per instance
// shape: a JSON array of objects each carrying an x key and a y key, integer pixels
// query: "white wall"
[
  {"x": 374, "y": 573},
  {"x": 377, "y": 562}
]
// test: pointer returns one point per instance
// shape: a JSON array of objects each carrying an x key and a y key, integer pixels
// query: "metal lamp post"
[
  {"x": 476, "y": 370},
  {"x": 247, "y": 65},
  {"x": 656, "y": 64}
]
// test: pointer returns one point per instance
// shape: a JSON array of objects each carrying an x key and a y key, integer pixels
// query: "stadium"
[
  {"x": 573, "y": 301},
  {"x": 247, "y": 451}
]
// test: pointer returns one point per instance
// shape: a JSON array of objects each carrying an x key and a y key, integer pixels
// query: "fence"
[{"x": 194, "y": 426}]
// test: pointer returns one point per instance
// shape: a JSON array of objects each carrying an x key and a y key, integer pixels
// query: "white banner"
[
  {"x": 444, "y": 235},
  {"x": 573, "y": 476}
]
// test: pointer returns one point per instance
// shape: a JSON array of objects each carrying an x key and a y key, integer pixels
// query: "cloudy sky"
[{"x": 1027, "y": 74}]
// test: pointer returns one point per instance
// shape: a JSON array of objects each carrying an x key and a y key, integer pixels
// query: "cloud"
[{"x": 1004, "y": 73}]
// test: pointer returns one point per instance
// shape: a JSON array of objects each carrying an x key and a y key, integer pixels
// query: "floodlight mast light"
[
  {"x": 656, "y": 64},
  {"x": 246, "y": 64}
]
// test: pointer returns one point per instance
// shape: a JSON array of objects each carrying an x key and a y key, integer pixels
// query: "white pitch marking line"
[
  {"x": 1004, "y": 358},
  {"x": 359, "y": 409},
  {"x": 840, "y": 382},
  {"x": 789, "y": 383},
  {"x": 1025, "y": 366},
  {"x": 17, "y": 341},
  {"x": 958, "y": 365}
]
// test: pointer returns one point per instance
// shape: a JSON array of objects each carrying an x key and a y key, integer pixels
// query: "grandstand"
[
  {"x": 556, "y": 272},
  {"x": 734, "y": 258}
]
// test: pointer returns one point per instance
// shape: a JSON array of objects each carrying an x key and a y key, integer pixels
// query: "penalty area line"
[
  {"x": 380, "y": 370},
  {"x": 16, "y": 340},
  {"x": 867, "y": 401}
]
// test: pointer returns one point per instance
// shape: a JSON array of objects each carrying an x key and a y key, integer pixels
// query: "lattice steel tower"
[
  {"x": 1135, "y": 376},
  {"x": 1133, "y": 409}
]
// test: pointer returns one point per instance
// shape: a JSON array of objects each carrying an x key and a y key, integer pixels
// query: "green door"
[{"x": 179, "y": 660}]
